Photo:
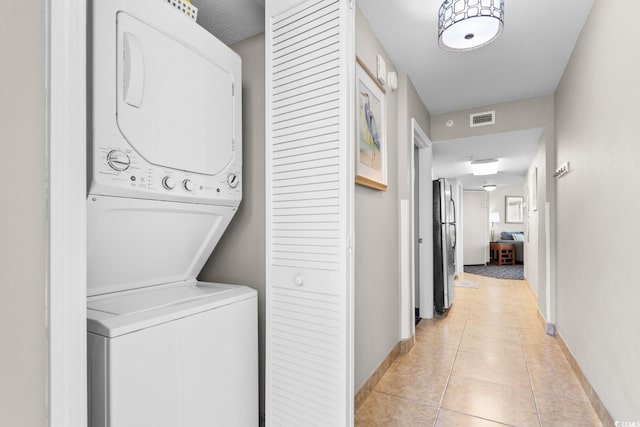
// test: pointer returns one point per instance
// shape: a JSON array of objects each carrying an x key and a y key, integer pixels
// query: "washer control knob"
[
  {"x": 118, "y": 160},
  {"x": 168, "y": 182},
  {"x": 188, "y": 185},
  {"x": 233, "y": 180}
]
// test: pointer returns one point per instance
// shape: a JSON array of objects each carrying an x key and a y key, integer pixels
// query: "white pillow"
[{"x": 518, "y": 236}]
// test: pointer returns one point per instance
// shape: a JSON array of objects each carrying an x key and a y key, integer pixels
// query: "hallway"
[{"x": 487, "y": 363}]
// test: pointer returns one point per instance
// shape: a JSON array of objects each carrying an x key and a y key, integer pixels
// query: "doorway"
[{"x": 422, "y": 235}]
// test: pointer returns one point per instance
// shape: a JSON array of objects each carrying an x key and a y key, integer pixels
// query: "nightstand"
[{"x": 502, "y": 253}]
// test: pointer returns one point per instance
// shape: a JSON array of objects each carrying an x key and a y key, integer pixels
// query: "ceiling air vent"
[{"x": 482, "y": 119}]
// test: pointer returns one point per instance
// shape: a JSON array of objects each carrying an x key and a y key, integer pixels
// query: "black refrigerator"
[{"x": 444, "y": 245}]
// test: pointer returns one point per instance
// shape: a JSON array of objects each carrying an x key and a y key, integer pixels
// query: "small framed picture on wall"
[
  {"x": 533, "y": 191},
  {"x": 514, "y": 209},
  {"x": 371, "y": 141}
]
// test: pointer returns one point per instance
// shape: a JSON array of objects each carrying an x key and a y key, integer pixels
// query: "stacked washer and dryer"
[{"x": 165, "y": 162}]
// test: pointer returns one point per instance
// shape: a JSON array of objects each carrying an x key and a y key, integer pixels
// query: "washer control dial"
[
  {"x": 233, "y": 180},
  {"x": 168, "y": 182},
  {"x": 118, "y": 160},
  {"x": 188, "y": 185}
]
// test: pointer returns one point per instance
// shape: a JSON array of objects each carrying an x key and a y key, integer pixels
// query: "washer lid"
[
  {"x": 121, "y": 313},
  {"x": 154, "y": 298},
  {"x": 135, "y": 243}
]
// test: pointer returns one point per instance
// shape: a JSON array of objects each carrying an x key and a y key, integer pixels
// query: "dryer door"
[{"x": 174, "y": 105}]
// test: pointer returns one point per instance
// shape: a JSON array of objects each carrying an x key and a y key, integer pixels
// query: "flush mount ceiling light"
[
  {"x": 469, "y": 24},
  {"x": 484, "y": 167},
  {"x": 489, "y": 187}
]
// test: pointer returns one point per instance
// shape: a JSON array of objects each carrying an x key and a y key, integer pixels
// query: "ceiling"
[
  {"x": 513, "y": 150},
  {"x": 527, "y": 60}
]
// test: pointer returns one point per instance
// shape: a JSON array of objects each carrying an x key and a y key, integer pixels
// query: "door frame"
[
  {"x": 420, "y": 140},
  {"x": 65, "y": 40}
]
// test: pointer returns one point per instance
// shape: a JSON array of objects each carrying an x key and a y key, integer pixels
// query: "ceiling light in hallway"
[
  {"x": 469, "y": 24},
  {"x": 489, "y": 187},
  {"x": 484, "y": 167}
]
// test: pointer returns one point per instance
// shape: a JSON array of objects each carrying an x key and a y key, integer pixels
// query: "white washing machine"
[{"x": 164, "y": 181}]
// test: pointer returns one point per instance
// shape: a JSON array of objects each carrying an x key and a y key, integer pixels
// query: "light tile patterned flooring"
[{"x": 487, "y": 363}]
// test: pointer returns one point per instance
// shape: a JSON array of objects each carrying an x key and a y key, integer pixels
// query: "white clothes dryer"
[{"x": 164, "y": 181}]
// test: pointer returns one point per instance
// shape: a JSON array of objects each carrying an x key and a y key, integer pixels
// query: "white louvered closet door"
[{"x": 309, "y": 201}]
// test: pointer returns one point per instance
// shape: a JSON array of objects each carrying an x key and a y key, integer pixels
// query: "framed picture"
[
  {"x": 514, "y": 209},
  {"x": 533, "y": 191},
  {"x": 371, "y": 141}
]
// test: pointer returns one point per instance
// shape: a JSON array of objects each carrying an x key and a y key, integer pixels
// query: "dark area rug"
[{"x": 511, "y": 272}]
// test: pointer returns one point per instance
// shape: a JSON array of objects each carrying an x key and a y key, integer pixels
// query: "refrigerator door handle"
[
  {"x": 455, "y": 236},
  {"x": 453, "y": 210}
]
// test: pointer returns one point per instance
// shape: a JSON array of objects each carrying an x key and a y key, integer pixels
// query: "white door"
[
  {"x": 423, "y": 223},
  {"x": 476, "y": 226},
  {"x": 310, "y": 64}
]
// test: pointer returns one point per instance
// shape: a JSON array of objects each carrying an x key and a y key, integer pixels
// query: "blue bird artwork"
[{"x": 369, "y": 136}]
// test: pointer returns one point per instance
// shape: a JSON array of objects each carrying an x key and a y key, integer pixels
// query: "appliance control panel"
[{"x": 118, "y": 170}]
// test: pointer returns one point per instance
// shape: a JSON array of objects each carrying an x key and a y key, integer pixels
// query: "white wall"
[
  {"x": 496, "y": 204},
  {"x": 377, "y": 263},
  {"x": 377, "y": 274},
  {"x": 410, "y": 107},
  {"x": 598, "y": 296},
  {"x": 23, "y": 215},
  {"x": 512, "y": 116},
  {"x": 239, "y": 257},
  {"x": 533, "y": 263},
  {"x": 476, "y": 227}
]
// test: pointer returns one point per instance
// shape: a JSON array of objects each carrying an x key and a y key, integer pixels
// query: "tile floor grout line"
[
  {"x": 455, "y": 357},
  {"x": 480, "y": 418},
  {"x": 465, "y": 317},
  {"x": 526, "y": 362},
  {"x": 435, "y": 420},
  {"x": 408, "y": 399}
]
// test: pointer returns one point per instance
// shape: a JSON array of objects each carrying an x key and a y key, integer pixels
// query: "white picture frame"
[
  {"x": 514, "y": 210},
  {"x": 371, "y": 141},
  {"x": 533, "y": 190}
]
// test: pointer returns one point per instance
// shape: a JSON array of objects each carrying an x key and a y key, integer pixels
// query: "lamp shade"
[
  {"x": 494, "y": 217},
  {"x": 469, "y": 24}
]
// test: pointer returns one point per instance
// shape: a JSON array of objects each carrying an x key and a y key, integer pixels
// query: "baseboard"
[
  {"x": 399, "y": 349},
  {"x": 605, "y": 418},
  {"x": 407, "y": 345},
  {"x": 596, "y": 403}
]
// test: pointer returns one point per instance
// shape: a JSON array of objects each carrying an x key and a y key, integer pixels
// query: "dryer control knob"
[
  {"x": 118, "y": 160},
  {"x": 188, "y": 185},
  {"x": 168, "y": 182},
  {"x": 232, "y": 180}
]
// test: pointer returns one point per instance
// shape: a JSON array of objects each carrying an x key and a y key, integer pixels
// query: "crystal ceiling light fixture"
[
  {"x": 484, "y": 167},
  {"x": 469, "y": 24}
]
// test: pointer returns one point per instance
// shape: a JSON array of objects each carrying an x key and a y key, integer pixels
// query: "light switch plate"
[
  {"x": 381, "y": 69},
  {"x": 393, "y": 80}
]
